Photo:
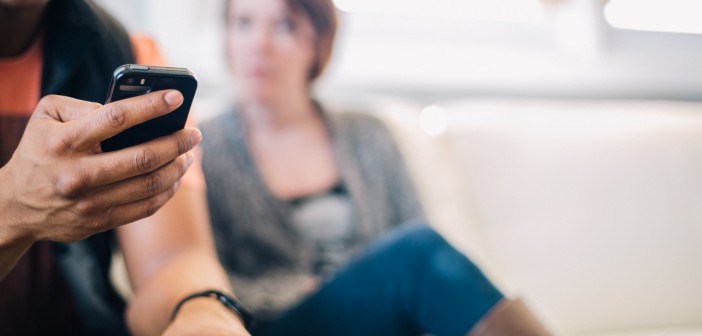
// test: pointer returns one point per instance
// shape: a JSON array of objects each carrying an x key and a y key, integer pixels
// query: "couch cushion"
[
  {"x": 653, "y": 332},
  {"x": 591, "y": 210}
]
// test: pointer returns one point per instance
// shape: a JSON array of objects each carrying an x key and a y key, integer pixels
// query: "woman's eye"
[
  {"x": 286, "y": 25},
  {"x": 241, "y": 23}
]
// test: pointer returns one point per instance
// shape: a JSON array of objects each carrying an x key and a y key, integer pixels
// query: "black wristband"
[{"x": 228, "y": 301}]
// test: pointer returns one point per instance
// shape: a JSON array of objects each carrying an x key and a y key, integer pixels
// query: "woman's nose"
[{"x": 261, "y": 40}]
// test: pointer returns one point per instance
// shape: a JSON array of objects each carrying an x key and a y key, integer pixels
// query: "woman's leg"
[{"x": 410, "y": 282}]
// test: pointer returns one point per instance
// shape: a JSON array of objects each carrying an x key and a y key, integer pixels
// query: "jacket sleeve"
[{"x": 403, "y": 200}]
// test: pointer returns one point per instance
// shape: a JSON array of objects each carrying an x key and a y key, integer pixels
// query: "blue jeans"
[{"x": 410, "y": 282}]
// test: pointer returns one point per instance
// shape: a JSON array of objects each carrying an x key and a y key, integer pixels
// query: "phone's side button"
[{"x": 139, "y": 67}]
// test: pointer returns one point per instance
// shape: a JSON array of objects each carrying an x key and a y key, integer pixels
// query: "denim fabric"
[{"x": 409, "y": 282}]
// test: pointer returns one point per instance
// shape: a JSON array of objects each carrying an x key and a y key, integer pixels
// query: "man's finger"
[
  {"x": 141, "y": 187},
  {"x": 134, "y": 211},
  {"x": 113, "y": 118},
  {"x": 64, "y": 109},
  {"x": 111, "y": 167}
]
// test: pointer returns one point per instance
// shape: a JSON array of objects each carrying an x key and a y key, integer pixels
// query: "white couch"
[{"x": 589, "y": 210}]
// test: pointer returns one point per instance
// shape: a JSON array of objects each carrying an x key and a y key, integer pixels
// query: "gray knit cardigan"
[{"x": 260, "y": 249}]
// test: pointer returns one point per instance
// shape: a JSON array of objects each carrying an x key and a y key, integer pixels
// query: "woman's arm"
[
  {"x": 169, "y": 256},
  {"x": 405, "y": 201}
]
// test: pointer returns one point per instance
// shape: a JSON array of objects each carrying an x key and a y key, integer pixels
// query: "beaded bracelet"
[{"x": 228, "y": 301}]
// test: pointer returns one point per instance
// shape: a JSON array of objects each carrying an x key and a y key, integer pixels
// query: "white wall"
[{"x": 573, "y": 54}]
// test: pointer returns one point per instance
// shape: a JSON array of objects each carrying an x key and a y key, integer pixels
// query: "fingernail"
[
  {"x": 174, "y": 98},
  {"x": 189, "y": 158},
  {"x": 196, "y": 137}
]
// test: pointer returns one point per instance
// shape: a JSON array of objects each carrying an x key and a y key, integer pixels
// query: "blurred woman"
[{"x": 314, "y": 214}]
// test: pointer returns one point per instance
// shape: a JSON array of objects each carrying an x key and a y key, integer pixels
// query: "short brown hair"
[{"x": 322, "y": 15}]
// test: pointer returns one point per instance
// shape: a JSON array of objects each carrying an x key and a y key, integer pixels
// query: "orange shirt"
[{"x": 20, "y": 80}]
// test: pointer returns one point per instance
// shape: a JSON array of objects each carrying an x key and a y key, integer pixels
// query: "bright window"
[
  {"x": 680, "y": 16},
  {"x": 520, "y": 11}
]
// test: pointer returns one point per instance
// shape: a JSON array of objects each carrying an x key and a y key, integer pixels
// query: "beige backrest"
[{"x": 592, "y": 211}]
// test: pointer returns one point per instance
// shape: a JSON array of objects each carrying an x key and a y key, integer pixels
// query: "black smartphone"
[{"x": 131, "y": 80}]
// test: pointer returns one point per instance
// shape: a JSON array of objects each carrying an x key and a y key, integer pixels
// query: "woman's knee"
[
  {"x": 435, "y": 256},
  {"x": 416, "y": 250},
  {"x": 418, "y": 238}
]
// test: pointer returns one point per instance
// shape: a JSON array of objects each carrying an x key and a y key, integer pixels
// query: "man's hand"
[{"x": 60, "y": 186}]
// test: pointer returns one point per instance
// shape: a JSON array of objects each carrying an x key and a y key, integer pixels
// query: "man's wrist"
[
  {"x": 12, "y": 243},
  {"x": 11, "y": 237}
]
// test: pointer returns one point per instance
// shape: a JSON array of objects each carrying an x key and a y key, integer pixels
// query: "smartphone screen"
[{"x": 132, "y": 80}]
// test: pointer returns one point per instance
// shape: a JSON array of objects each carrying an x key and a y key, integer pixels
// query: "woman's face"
[{"x": 270, "y": 48}]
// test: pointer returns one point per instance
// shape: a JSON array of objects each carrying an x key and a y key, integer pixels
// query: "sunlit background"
[
  {"x": 558, "y": 142},
  {"x": 432, "y": 50}
]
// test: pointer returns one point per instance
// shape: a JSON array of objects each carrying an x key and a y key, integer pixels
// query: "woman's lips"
[{"x": 258, "y": 72}]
